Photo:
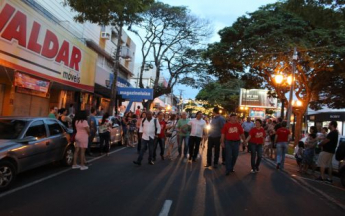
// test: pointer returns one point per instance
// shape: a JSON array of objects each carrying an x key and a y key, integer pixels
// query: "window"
[
  {"x": 37, "y": 129},
  {"x": 54, "y": 128}
]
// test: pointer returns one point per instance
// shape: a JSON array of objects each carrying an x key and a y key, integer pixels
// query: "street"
[{"x": 113, "y": 185}]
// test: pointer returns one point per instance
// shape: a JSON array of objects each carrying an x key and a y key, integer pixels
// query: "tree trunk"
[{"x": 113, "y": 91}]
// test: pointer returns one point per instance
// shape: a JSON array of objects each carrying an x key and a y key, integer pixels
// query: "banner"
[
  {"x": 257, "y": 98},
  {"x": 28, "y": 82},
  {"x": 135, "y": 93},
  {"x": 31, "y": 43}
]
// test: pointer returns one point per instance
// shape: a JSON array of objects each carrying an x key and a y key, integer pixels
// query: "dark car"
[{"x": 28, "y": 142}]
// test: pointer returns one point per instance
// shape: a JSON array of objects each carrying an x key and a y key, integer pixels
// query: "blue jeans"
[
  {"x": 185, "y": 150},
  {"x": 146, "y": 144},
  {"x": 256, "y": 153},
  {"x": 231, "y": 154},
  {"x": 282, "y": 148}
]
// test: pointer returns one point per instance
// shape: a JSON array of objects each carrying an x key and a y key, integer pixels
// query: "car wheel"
[
  {"x": 7, "y": 174},
  {"x": 68, "y": 156},
  {"x": 342, "y": 178}
]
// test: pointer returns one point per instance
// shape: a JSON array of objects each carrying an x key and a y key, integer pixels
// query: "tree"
[
  {"x": 171, "y": 42},
  {"x": 225, "y": 95},
  {"x": 261, "y": 44},
  {"x": 110, "y": 12}
]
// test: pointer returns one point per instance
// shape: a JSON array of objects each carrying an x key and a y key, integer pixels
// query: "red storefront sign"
[{"x": 28, "y": 82}]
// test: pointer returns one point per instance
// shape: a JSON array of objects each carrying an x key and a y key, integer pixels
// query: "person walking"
[
  {"x": 81, "y": 139},
  {"x": 282, "y": 143},
  {"x": 132, "y": 130},
  {"x": 149, "y": 128},
  {"x": 256, "y": 139},
  {"x": 142, "y": 116},
  {"x": 93, "y": 129},
  {"x": 183, "y": 134},
  {"x": 197, "y": 129},
  {"x": 138, "y": 111},
  {"x": 232, "y": 133},
  {"x": 214, "y": 135},
  {"x": 171, "y": 135},
  {"x": 161, "y": 137},
  {"x": 104, "y": 134},
  {"x": 328, "y": 149},
  {"x": 247, "y": 126}
]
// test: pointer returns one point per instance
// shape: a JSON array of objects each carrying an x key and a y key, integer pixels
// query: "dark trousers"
[
  {"x": 161, "y": 142},
  {"x": 223, "y": 155},
  {"x": 213, "y": 142},
  {"x": 104, "y": 139},
  {"x": 256, "y": 153},
  {"x": 91, "y": 137},
  {"x": 232, "y": 149},
  {"x": 194, "y": 144},
  {"x": 139, "y": 141},
  {"x": 146, "y": 144}
]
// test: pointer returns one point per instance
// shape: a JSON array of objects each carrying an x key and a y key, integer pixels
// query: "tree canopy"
[
  {"x": 225, "y": 95},
  {"x": 261, "y": 44},
  {"x": 171, "y": 39}
]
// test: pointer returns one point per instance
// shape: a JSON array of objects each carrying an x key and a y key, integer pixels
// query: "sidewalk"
[{"x": 334, "y": 193}]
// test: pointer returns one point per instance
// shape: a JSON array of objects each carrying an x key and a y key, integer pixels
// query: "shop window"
[
  {"x": 37, "y": 129},
  {"x": 54, "y": 128}
]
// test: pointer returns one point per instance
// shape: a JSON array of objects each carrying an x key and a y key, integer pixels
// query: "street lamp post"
[{"x": 292, "y": 87}]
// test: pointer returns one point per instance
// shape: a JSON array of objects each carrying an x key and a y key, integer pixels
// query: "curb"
[{"x": 310, "y": 187}]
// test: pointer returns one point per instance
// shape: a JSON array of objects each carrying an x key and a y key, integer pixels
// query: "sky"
[{"x": 221, "y": 13}]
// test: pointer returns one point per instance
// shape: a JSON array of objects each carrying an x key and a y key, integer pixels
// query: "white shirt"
[
  {"x": 197, "y": 127},
  {"x": 148, "y": 128}
]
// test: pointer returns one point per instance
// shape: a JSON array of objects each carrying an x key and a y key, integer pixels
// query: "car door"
[
  {"x": 58, "y": 139},
  {"x": 34, "y": 153}
]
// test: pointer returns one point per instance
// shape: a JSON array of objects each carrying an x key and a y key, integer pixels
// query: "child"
[
  {"x": 308, "y": 154},
  {"x": 267, "y": 146},
  {"x": 299, "y": 154}
]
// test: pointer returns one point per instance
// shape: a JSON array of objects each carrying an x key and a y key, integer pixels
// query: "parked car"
[
  {"x": 338, "y": 166},
  {"x": 115, "y": 132},
  {"x": 28, "y": 142}
]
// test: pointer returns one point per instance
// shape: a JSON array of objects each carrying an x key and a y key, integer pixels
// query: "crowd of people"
[{"x": 224, "y": 137}]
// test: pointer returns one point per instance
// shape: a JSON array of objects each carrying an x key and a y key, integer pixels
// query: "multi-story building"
[{"x": 47, "y": 59}]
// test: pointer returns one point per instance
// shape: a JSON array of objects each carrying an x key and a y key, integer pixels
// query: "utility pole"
[{"x": 181, "y": 100}]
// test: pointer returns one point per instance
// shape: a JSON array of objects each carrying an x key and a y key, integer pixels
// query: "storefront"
[
  {"x": 41, "y": 65},
  {"x": 323, "y": 119}
]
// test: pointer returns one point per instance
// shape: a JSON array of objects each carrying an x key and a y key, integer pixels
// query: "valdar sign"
[{"x": 17, "y": 29}]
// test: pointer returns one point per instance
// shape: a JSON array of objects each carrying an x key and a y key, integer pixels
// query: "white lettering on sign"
[
  {"x": 335, "y": 116},
  {"x": 14, "y": 26}
]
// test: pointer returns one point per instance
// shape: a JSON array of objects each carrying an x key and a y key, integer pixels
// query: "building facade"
[{"x": 47, "y": 59}]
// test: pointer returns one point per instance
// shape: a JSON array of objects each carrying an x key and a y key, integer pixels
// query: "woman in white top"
[{"x": 171, "y": 135}]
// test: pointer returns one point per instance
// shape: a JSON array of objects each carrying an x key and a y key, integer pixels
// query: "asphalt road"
[{"x": 113, "y": 185}]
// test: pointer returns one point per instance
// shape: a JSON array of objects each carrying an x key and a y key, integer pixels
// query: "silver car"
[
  {"x": 115, "y": 132},
  {"x": 27, "y": 143}
]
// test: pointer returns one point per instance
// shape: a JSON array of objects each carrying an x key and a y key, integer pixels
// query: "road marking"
[
  {"x": 166, "y": 208},
  {"x": 51, "y": 176}
]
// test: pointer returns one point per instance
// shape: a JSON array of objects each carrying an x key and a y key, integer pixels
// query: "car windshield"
[{"x": 11, "y": 129}]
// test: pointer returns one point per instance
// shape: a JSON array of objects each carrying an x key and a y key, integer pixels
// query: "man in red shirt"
[
  {"x": 232, "y": 133},
  {"x": 282, "y": 144},
  {"x": 256, "y": 139},
  {"x": 161, "y": 137}
]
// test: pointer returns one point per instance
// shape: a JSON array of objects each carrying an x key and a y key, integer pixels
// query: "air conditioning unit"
[{"x": 105, "y": 35}]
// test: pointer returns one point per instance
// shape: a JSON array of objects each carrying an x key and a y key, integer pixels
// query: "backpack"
[
  {"x": 154, "y": 120},
  {"x": 340, "y": 153}
]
